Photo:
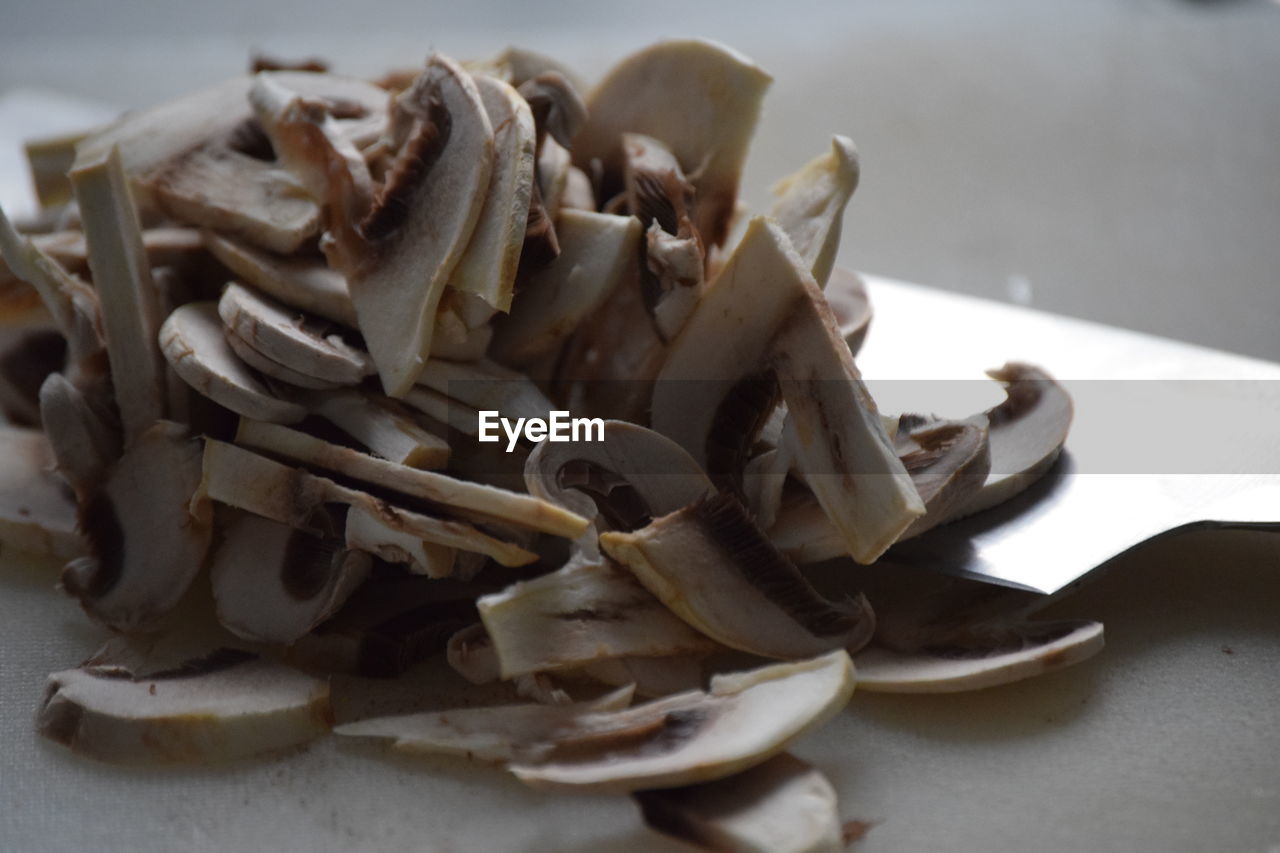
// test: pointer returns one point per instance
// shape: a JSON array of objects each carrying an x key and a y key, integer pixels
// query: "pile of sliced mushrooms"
[{"x": 244, "y": 349}]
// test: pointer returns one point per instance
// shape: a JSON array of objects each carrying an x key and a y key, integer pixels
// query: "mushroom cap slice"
[
  {"x": 37, "y": 512},
  {"x": 488, "y": 266},
  {"x": 846, "y": 295},
  {"x": 945, "y": 666},
  {"x": 82, "y": 432},
  {"x": 948, "y": 461},
  {"x": 193, "y": 343},
  {"x": 147, "y": 540},
  {"x": 290, "y": 338},
  {"x": 716, "y": 570},
  {"x": 811, "y": 202},
  {"x": 781, "y": 806},
  {"x": 305, "y": 283},
  {"x": 274, "y": 369},
  {"x": 498, "y": 733},
  {"x": 273, "y": 583},
  {"x": 598, "y": 252},
  {"x": 744, "y": 719},
  {"x": 701, "y": 99},
  {"x": 229, "y": 705}
]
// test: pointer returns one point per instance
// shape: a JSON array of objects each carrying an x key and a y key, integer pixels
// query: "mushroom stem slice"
[
  {"x": 485, "y": 385},
  {"x": 716, "y": 570},
  {"x": 951, "y": 665},
  {"x": 781, "y": 806},
  {"x": 369, "y": 532},
  {"x": 126, "y": 291},
  {"x": 744, "y": 719},
  {"x": 383, "y": 426},
  {"x": 498, "y": 733},
  {"x": 37, "y": 514},
  {"x": 810, "y": 205},
  {"x": 226, "y": 706}
]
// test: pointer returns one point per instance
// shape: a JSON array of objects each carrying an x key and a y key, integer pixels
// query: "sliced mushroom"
[
  {"x": 948, "y": 461},
  {"x": 382, "y": 425},
  {"x": 518, "y": 64},
  {"x": 652, "y": 676},
  {"x": 846, "y": 294},
  {"x": 49, "y": 159},
  {"x": 83, "y": 434},
  {"x": 781, "y": 806},
  {"x": 699, "y": 98},
  {"x": 164, "y": 246},
  {"x": 811, "y": 202},
  {"x": 597, "y": 254},
  {"x": 557, "y": 108},
  {"x": 499, "y": 733},
  {"x": 292, "y": 339},
  {"x": 37, "y": 514},
  {"x": 744, "y": 593},
  {"x": 763, "y": 320},
  {"x": 273, "y": 583},
  {"x": 578, "y": 192},
  {"x": 554, "y": 163},
  {"x": 488, "y": 266},
  {"x": 273, "y": 369},
  {"x": 226, "y": 706},
  {"x": 473, "y": 499},
  {"x": 147, "y": 538},
  {"x": 193, "y": 342},
  {"x": 370, "y": 532},
  {"x": 485, "y": 385},
  {"x": 443, "y": 414},
  {"x": 303, "y": 282},
  {"x": 744, "y": 719}
]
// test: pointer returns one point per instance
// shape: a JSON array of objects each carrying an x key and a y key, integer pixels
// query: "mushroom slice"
[
  {"x": 498, "y": 733},
  {"x": 147, "y": 539},
  {"x": 811, "y": 202},
  {"x": 744, "y": 719},
  {"x": 256, "y": 484},
  {"x": 273, "y": 583},
  {"x": 443, "y": 414},
  {"x": 846, "y": 294},
  {"x": 488, "y": 266},
  {"x": 82, "y": 432},
  {"x": 714, "y": 380},
  {"x": 463, "y": 496},
  {"x": 49, "y": 159},
  {"x": 518, "y": 64},
  {"x": 585, "y": 612},
  {"x": 164, "y": 246},
  {"x": 557, "y": 109},
  {"x": 367, "y": 531},
  {"x": 285, "y": 336},
  {"x": 950, "y": 665},
  {"x": 716, "y": 570},
  {"x": 781, "y": 806},
  {"x": 699, "y": 98},
  {"x": 126, "y": 291},
  {"x": 274, "y": 369},
  {"x": 652, "y": 676},
  {"x": 305, "y": 283},
  {"x": 578, "y": 192},
  {"x": 193, "y": 342},
  {"x": 598, "y": 252},
  {"x": 554, "y": 163},
  {"x": 383, "y": 426},
  {"x": 228, "y": 705},
  {"x": 400, "y": 255},
  {"x": 485, "y": 385},
  {"x": 948, "y": 461},
  {"x": 37, "y": 514}
]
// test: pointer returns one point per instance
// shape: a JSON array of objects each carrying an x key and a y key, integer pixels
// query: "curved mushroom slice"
[
  {"x": 554, "y": 163},
  {"x": 287, "y": 337},
  {"x": 273, "y": 583},
  {"x": 744, "y": 719},
  {"x": 49, "y": 158},
  {"x": 226, "y": 706},
  {"x": 846, "y": 295},
  {"x": 472, "y": 499},
  {"x": 83, "y": 434},
  {"x": 584, "y": 612},
  {"x": 202, "y": 159},
  {"x": 398, "y": 258},
  {"x": 557, "y": 108},
  {"x": 781, "y": 806},
  {"x": 949, "y": 666},
  {"x": 652, "y": 676},
  {"x": 470, "y": 653},
  {"x": 698, "y": 97},
  {"x": 367, "y": 531},
  {"x": 383, "y": 426},
  {"x": 518, "y": 64},
  {"x": 714, "y": 569},
  {"x": 811, "y": 202},
  {"x": 498, "y": 733},
  {"x": 147, "y": 538},
  {"x": 763, "y": 320},
  {"x": 192, "y": 341},
  {"x": 485, "y": 385},
  {"x": 273, "y": 369},
  {"x": 37, "y": 514},
  {"x": 305, "y": 283},
  {"x": 598, "y": 252},
  {"x": 488, "y": 266},
  {"x": 948, "y": 462}
]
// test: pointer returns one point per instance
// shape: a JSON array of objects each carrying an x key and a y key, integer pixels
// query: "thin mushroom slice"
[
  {"x": 717, "y": 571},
  {"x": 496, "y": 734},
  {"x": 556, "y": 106},
  {"x": 82, "y": 432},
  {"x": 193, "y": 342},
  {"x": 305, "y": 283},
  {"x": 652, "y": 676},
  {"x": 226, "y": 706},
  {"x": 950, "y": 665},
  {"x": 483, "y": 384},
  {"x": 846, "y": 294},
  {"x": 37, "y": 513},
  {"x": 147, "y": 539},
  {"x": 699, "y": 98},
  {"x": 164, "y": 246},
  {"x": 272, "y": 583},
  {"x": 743, "y": 719},
  {"x": 598, "y": 252},
  {"x": 810, "y": 205},
  {"x": 274, "y": 369},
  {"x": 370, "y": 532},
  {"x": 383, "y": 426},
  {"x": 459, "y": 495},
  {"x": 290, "y": 338},
  {"x": 948, "y": 462},
  {"x": 781, "y": 806}
]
